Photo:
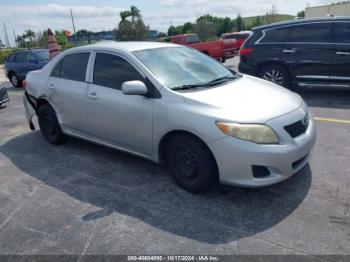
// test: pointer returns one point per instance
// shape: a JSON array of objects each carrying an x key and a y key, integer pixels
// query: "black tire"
[
  {"x": 15, "y": 81},
  {"x": 276, "y": 74},
  {"x": 49, "y": 125},
  {"x": 191, "y": 163},
  {"x": 223, "y": 60}
]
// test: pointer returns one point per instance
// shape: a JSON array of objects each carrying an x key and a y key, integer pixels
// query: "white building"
[{"x": 334, "y": 9}]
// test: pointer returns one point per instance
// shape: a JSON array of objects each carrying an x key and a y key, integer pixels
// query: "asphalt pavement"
[{"x": 81, "y": 198}]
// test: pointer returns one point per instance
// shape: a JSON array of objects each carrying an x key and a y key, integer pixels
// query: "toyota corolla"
[{"x": 173, "y": 105}]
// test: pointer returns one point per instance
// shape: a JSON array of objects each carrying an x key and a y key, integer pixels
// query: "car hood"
[{"x": 245, "y": 100}]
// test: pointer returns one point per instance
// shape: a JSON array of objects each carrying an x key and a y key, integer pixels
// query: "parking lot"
[{"x": 82, "y": 198}]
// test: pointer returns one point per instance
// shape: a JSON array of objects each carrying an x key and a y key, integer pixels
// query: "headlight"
[{"x": 257, "y": 133}]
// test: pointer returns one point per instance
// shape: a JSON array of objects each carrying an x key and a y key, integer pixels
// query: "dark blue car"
[{"x": 19, "y": 63}]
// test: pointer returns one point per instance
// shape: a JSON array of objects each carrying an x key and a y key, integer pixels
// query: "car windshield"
[
  {"x": 43, "y": 55},
  {"x": 183, "y": 68}
]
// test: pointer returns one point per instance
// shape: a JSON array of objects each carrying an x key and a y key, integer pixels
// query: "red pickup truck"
[{"x": 217, "y": 49}]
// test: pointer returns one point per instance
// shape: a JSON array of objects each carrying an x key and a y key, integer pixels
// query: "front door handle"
[
  {"x": 93, "y": 96},
  {"x": 288, "y": 51},
  {"x": 342, "y": 53},
  {"x": 51, "y": 86}
]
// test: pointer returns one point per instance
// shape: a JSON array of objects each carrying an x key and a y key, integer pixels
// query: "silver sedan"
[{"x": 173, "y": 105}]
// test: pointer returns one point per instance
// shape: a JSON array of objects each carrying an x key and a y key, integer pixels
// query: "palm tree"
[
  {"x": 135, "y": 13},
  {"x": 29, "y": 34},
  {"x": 124, "y": 15}
]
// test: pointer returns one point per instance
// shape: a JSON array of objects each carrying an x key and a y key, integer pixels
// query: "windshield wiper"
[
  {"x": 186, "y": 87},
  {"x": 224, "y": 78},
  {"x": 207, "y": 84}
]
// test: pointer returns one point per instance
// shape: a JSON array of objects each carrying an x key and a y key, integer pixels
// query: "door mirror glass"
[{"x": 134, "y": 88}]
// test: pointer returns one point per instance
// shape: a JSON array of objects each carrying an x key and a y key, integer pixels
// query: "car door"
[
  {"x": 67, "y": 87},
  {"x": 20, "y": 64},
  {"x": 340, "y": 67},
  {"x": 123, "y": 120},
  {"x": 32, "y": 63},
  {"x": 308, "y": 51}
]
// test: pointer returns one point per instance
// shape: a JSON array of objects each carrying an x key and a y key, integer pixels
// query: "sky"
[{"x": 98, "y": 15}]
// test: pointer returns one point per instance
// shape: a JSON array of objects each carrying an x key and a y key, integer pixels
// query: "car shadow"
[
  {"x": 326, "y": 97},
  {"x": 117, "y": 182}
]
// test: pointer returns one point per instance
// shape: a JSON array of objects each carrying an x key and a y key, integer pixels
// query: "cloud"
[{"x": 54, "y": 10}]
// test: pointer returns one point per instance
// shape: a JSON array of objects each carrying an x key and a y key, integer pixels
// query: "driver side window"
[{"x": 112, "y": 71}]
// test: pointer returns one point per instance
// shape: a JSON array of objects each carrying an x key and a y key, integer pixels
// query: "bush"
[{"x": 4, "y": 54}]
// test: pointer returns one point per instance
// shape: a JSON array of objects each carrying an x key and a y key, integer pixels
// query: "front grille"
[
  {"x": 296, "y": 129},
  {"x": 297, "y": 163},
  {"x": 260, "y": 171}
]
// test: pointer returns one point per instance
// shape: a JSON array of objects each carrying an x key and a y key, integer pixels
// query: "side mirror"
[{"x": 134, "y": 88}]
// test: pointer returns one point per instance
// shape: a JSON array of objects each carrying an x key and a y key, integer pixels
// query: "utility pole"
[
  {"x": 14, "y": 37},
  {"x": 71, "y": 14},
  {"x": 6, "y": 36}
]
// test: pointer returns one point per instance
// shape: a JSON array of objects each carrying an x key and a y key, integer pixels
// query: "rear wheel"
[
  {"x": 15, "y": 80},
  {"x": 275, "y": 74},
  {"x": 191, "y": 164},
  {"x": 49, "y": 125}
]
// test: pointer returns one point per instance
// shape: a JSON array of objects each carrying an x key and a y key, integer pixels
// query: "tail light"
[
  {"x": 24, "y": 84},
  {"x": 245, "y": 51}
]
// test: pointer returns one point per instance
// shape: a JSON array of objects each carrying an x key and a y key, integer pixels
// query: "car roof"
[
  {"x": 29, "y": 50},
  {"x": 302, "y": 21},
  {"x": 124, "y": 46}
]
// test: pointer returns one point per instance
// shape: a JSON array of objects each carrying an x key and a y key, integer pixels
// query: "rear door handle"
[
  {"x": 342, "y": 53},
  {"x": 93, "y": 96},
  {"x": 288, "y": 51}
]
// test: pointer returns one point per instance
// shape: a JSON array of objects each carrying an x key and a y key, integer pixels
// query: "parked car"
[
  {"x": 174, "y": 105},
  {"x": 19, "y": 63},
  {"x": 237, "y": 38},
  {"x": 307, "y": 52},
  {"x": 4, "y": 97},
  {"x": 217, "y": 49}
]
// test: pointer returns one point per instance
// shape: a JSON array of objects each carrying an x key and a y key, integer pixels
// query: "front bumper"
[
  {"x": 235, "y": 158},
  {"x": 4, "y": 97},
  {"x": 29, "y": 110}
]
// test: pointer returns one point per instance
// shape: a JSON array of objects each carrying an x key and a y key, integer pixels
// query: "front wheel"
[
  {"x": 275, "y": 74},
  {"x": 191, "y": 164},
  {"x": 49, "y": 125}
]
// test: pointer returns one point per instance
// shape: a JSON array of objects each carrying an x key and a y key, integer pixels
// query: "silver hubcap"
[
  {"x": 274, "y": 76},
  {"x": 14, "y": 80}
]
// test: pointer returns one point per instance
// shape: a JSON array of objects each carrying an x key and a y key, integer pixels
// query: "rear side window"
[
  {"x": 112, "y": 71},
  {"x": 21, "y": 58},
  {"x": 72, "y": 67},
  {"x": 342, "y": 33},
  {"x": 192, "y": 39},
  {"x": 276, "y": 35},
  {"x": 311, "y": 33},
  {"x": 11, "y": 58}
]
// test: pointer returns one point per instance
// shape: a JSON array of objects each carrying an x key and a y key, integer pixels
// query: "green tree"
[
  {"x": 206, "y": 28},
  {"x": 187, "y": 28},
  {"x": 301, "y": 14},
  {"x": 134, "y": 29},
  {"x": 61, "y": 39},
  {"x": 1, "y": 44},
  {"x": 239, "y": 23}
]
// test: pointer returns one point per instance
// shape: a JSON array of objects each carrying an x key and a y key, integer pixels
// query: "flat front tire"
[
  {"x": 191, "y": 164},
  {"x": 49, "y": 125}
]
